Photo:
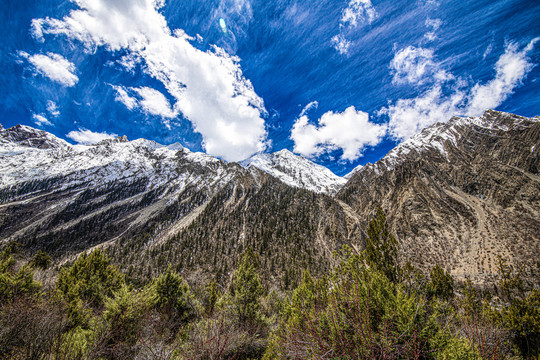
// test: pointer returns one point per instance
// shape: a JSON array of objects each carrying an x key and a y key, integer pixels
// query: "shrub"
[{"x": 89, "y": 281}]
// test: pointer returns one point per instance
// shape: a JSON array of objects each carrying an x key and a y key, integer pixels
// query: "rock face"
[{"x": 460, "y": 194}]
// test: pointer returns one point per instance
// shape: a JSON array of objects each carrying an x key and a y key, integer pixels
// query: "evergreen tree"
[
  {"x": 170, "y": 294},
  {"x": 211, "y": 296},
  {"x": 247, "y": 288},
  {"x": 441, "y": 284},
  {"x": 382, "y": 247},
  {"x": 41, "y": 260},
  {"x": 89, "y": 281}
]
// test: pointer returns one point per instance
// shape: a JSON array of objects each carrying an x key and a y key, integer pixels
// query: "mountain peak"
[
  {"x": 27, "y": 136},
  {"x": 296, "y": 171}
]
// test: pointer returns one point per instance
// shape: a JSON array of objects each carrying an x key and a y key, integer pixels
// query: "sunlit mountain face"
[{"x": 339, "y": 82}]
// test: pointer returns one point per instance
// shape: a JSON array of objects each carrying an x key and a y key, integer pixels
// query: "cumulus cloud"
[
  {"x": 409, "y": 116},
  {"x": 358, "y": 11},
  {"x": 54, "y": 66},
  {"x": 87, "y": 137},
  {"x": 208, "y": 86},
  {"x": 154, "y": 102},
  {"x": 416, "y": 66},
  {"x": 123, "y": 97},
  {"x": 41, "y": 120},
  {"x": 443, "y": 100},
  {"x": 148, "y": 100},
  {"x": 351, "y": 131},
  {"x": 511, "y": 69}
]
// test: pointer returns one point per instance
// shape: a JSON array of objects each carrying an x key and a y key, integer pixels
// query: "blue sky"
[{"x": 339, "y": 82}]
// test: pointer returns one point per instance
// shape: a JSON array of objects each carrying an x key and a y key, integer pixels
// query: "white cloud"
[
  {"x": 209, "y": 87},
  {"x": 87, "y": 137},
  {"x": 488, "y": 51},
  {"x": 341, "y": 44},
  {"x": 53, "y": 66},
  {"x": 511, "y": 69},
  {"x": 154, "y": 102},
  {"x": 146, "y": 99},
  {"x": 308, "y": 107},
  {"x": 409, "y": 116},
  {"x": 416, "y": 66},
  {"x": 123, "y": 97},
  {"x": 52, "y": 109},
  {"x": 41, "y": 120},
  {"x": 349, "y": 131},
  {"x": 434, "y": 24},
  {"x": 358, "y": 11}
]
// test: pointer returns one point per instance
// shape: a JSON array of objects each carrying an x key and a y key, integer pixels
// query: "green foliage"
[
  {"x": 360, "y": 314},
  {"x": 441, "y": 284},
  {"x": 89, "y": 281},
  {"x": 247, "y": 288},
  {"x": 522, "y": 311},
  {"x": 124, "y": 314},
  {"x": 77, "y": 343},
  {"x": 41, "y": 260},
  {"x": 15, "y": 284},
  {"x": 170, "y": 295},
  {"x": 452, "y": 348},
  {"x": 211, "y": 297},
  {"x": 381, "y": 247}
]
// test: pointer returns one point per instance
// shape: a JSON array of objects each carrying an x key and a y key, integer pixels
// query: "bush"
[
  {"x": 170, "y": 295},
  {"x": 360, "y": 315},
  {"x": 89, "y": 281},
  {"x": 441, "y": 284}
]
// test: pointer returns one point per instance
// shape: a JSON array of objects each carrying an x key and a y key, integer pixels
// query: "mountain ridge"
[{"x": 458, "y": 194}]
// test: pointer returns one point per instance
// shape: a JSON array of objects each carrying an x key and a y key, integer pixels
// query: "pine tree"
[
  {"x": 247, "y": 288},
  {"x": 171, "y": 296},
  {"x": 441, "y": 284},
  {"x": 382, "y": 247}
]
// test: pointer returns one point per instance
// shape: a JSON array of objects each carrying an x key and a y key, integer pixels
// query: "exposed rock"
[{"x": 460, "y": 194}]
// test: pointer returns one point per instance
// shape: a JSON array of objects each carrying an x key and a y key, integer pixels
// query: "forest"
[{"x": 368, "y": 306}]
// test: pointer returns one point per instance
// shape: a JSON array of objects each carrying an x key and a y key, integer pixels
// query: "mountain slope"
[
  {"x": 143, "y": 200},
  {"x": 296, "y": 171},
  {"x": 460, "y": 194}
]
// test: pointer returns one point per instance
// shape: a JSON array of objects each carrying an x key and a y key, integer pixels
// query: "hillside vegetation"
[{"x": 366, "y": 306}]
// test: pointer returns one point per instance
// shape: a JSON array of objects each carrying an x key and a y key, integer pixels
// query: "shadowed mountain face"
[{"x": 458, "y": 194}]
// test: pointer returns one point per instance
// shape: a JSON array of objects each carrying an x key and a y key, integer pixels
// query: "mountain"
[
  {"x": 353, "y": 171},
  {"x": 460, "y": 194},
  {"x": 296, "y": 171},
  {"x": 148, "y": 202}
]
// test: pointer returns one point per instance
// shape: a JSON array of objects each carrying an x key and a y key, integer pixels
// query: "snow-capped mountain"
[
  {"x": 353, "y": 171},
  {"x": 27, "y": 154},
  {"x": 137, "y": 197},
  {"x": 455, "y": 193},
  {"x": 296, "y": 171},
  {"x": 441, "y": 137}
]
